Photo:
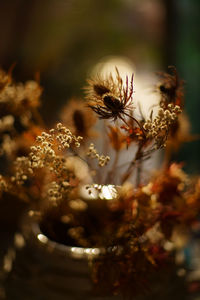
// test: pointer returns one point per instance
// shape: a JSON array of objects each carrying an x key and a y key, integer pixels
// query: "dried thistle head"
[
  {"x": 109, "y": 98},
  {"x": 170, "y": 88},
  {"x": 79, "y": 118}
]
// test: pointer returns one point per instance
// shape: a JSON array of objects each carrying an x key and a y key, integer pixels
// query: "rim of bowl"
[{"x": 72, "y": 251}]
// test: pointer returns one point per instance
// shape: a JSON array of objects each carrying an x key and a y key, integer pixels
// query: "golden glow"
[
  {"x": 42, "y": 238},
  {"x": 108, "y": 192},
  {"x": 97, "y": 191}
]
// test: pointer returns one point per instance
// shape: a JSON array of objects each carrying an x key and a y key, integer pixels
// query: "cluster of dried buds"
[
  {"x": 45, "y": 156},
  {"x": 159, "y": 128},
  {"x": 102, "y": 159}
]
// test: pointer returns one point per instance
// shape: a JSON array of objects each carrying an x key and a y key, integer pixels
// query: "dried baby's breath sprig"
[
  {"x": 65, "y": 137},
  {"x": 159, "y": 128},
  {"x": 56, "y": 190},
  {"x": 45, "y": 156},
  {"x": 45, "y": 153},
  {"x": 57, "y": 139},
  {"x": 23, "y": 169},
  {"x": 102, "y": 159}
]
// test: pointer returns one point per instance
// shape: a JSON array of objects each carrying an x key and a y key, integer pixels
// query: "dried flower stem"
[
  {"x": 138, "y": 156},
  {"x": 110, "y": 174},
  {"x": 135, "y": 120}
]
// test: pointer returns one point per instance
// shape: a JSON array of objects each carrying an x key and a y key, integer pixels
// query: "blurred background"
[{"x": 64, "y": 39}]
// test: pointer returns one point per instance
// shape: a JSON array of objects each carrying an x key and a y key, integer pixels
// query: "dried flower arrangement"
[{"x": 85, "y": 202}]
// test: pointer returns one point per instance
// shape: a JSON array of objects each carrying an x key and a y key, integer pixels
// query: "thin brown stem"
[
  {"x": 138, "y": 156},
  {"x": 138, "y": 173},
  {"x": 135, "y": 120},
  {"x": 124, "y": 121},
  {"x": 111, "y": 172}
]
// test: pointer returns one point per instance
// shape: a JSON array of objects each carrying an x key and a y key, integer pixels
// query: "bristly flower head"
[
  {"x": 170, "y": 88},
  {"x": 79, "y": 118},
  {"x": 109, "y": 97}
]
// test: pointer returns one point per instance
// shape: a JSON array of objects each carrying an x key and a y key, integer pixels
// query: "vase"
[
  {"x": 42, "y": 269},
  {"x": 46, "y": 270}
]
